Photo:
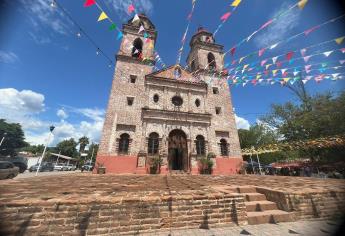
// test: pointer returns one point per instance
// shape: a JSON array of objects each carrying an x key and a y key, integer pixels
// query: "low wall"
[
  {"x": 308, "y": 204},
  {"x": 127, "y": 215},
  {"x": 227, "y": 166}
]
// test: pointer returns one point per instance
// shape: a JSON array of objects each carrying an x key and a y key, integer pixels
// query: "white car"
[
  {"x": 69, "y": 167},
  {"x": 59, "y": 166}
]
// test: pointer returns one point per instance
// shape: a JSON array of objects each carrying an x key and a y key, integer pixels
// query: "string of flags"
[
  {"x": 225, "y": 16},
  {"x": 189, "y": 20}
]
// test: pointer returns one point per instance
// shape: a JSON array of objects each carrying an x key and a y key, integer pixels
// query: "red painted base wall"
[
  {"x": 128, "y": 165},
  {"x": 118, "y": 164}
]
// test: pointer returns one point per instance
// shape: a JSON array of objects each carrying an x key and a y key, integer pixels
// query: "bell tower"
[{"x": 121, "y": 136}]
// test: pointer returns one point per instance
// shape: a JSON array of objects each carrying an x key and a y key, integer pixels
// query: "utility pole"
[
  {"x": 51, "y": 128},
  {"x": 3, "y": 138}
]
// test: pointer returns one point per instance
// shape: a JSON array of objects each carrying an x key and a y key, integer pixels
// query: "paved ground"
[
  {"x": 308, "y": 228},
  {"x": 28, "y": 174}
]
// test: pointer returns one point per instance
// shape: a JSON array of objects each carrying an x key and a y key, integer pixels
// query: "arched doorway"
[{"x": 178, "y": 151}]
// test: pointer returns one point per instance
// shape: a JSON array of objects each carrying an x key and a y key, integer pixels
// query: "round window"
[
  {"x": 197, "y": 102},
  {"x": 155, "y": 98},
  {"x": 177, "y": 101}
]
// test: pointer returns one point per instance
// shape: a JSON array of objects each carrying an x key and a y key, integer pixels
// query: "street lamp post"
[
  {"x": 51, "y": 128},
  {"x": 3, "y": 138}
]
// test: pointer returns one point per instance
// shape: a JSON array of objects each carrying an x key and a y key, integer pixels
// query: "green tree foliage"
[
  {"x": 83, "y": 142},
  {"x": 14, "y": 138},
  {"x": 68, "y": 148},
  {"x": 93, "y": 148}
]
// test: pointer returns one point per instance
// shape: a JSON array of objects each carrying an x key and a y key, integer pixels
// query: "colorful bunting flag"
[
  {"x": 112, "y": 27},
  {"x": 141, "y": 29},
  {"x": 307, "y": 68},
  {"x": 307, "y": 32},
  {"x": 339, "y": 40},
  {"x": 266, "y": 24},
  {"x": 327, "y": 53},
  {"x": 261, "y": 51},
  {"x": 283, "y": 71},
  {"x": 306, "y": 59},
  {"x": 303, "y": 52},
  {"x": 274, "y": 59},
  {"x": 102, "y": 16},
  {"x": 89, "y": 3},
  {"x": 232, "y": 51},
  {"x": 268, "y": 66},
  {"x": 225, "y": 16},
  {"x": 342, "y": 62},
  {"x": 301, "y": 4},
  {"x": 342, "y": 50},
  {"x": 235, "y": 3},
  {"x": 241, "y": 59},
  {"x": 274, "y": 46},
  {"x": 289, "y": 55},
  {"x": 119, "y": 35},
  {"x": 263, "y": 62},
  {"x": 279, "y": 64},
  {"x": 136, "y": 18},
  {"x": 274, "y": 72},
  {"x": 130, "y": 8}
]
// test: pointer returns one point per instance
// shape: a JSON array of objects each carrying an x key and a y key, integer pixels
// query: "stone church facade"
[{"x": 172, "y": 113}]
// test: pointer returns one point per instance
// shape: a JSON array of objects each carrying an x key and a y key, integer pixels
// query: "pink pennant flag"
[
  {"x": 311, "y": 30},
  {"x": 261, "y": 51},
  {"x": 263, "y": 62},
  {"x": 266, "y": 72},
  {"x": 89, "y": 3},
  {"x": 130, "y": 8},
  {"x": 225, "y": 16},
  {"x": 266, "y": 24},
  {"x": 189, "y": 16},
  {"x": 285, "y": 73},
  {"x": 303, "y": 52},
  {"x": 307, "y": 68},
  {"x": 141, "y": 29},
  {"x": 342, "y": 62},
  {"x": 232, "y": 51},
  {"x": 233, "y": 62},
  {"x": 342, "y": 50},
  {"x": 289, "y": 56},
  {"x": 306, "y": 59},
  {"x": 279, "y": 64}
]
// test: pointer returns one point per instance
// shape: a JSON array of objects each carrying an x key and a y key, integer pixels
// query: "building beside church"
[{"x": 177, "y": 114}]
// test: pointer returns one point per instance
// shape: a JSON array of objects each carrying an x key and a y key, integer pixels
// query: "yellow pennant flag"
[
  {"x": 236, "y": 3},
  {"x": 102, "y": 16},
  {"x": 258, "y": 76},
  {"x": 268, "y": 66},
  {"x": 302, "y": 3},
  {"x": 340, "y": 40},
  {"x": 286, "y": 80},
  {"x": 241, "y": 59},
  {"x": 274, "y": 72}
]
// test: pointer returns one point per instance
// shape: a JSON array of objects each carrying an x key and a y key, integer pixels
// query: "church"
[{"x": 177, "y": 114}]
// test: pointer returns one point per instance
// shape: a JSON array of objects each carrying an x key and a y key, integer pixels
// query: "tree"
[
  {"x": 34, "y": 149},
  {"x": 83, "y": 142},
  {"x": 14, "y": 138},
  {"x": 93, "y": 149},
  {"x": 68, "y": 147},
  {"x": 257, "y": 135}
]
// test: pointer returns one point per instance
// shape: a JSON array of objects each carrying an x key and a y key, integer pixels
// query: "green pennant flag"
[{"x": 112, "y": 27}]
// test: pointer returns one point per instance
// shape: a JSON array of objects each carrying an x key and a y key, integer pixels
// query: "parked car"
[
  {"x": 20, "y": 162},
  {"x": 8, "y": 170},
  {"x": 45, "y": 166},
  {"x": 59, "y": 166},
  {"x": 69, "y": 167},
  {"x": 87, "y": 167}
]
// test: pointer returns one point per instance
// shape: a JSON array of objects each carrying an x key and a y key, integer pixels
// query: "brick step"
[
  {"x": 260, "y": 206},
  {"x": 271, "y": 216},
  {"x": 246, "y": 189},
  {"x": 255, "y": 197}
]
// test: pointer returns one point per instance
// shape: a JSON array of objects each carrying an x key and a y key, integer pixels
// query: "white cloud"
[
  {"x": 280, "y": 28},
  {"x": 241, "y": 123},
  {"x": 8, "y": 57},
  {"x": 62, "y": 113},
  {"x": 26, "y": 106},
  {"x": 120, "y": 7}
]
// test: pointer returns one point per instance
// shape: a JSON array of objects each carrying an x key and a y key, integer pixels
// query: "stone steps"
[
  {"x": 269, "y": 216},
  {"x": 260, "y": 206},
  {"x": 261, "y": 211}
]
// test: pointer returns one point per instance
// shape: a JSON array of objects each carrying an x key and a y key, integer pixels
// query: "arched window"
[
  {"x": 137, "y": 48},
  {"x": 197, "y": 102},
  {"x": 124, "y": 143},
  {"x": 153, "y": 144},
  {"x": 200, "y": 145},
  {"x": 224, "y": 147},
  {"x": 211, "y": 61},
  {"x": 155, "y": 98}
]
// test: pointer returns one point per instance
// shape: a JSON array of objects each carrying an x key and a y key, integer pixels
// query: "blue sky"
[{"x": 48, "y": 75}]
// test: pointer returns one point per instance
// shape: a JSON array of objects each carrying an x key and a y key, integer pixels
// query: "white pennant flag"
[
  {"x": 274, "y": 45},
  {"x": 335, "y": 75},
  {"x": 295, "y": 73},
  {"x": 283, "y": 71},
  {"x": 303, "y": 51},
  {"x": 306, "y": 59},
  {"x": 250, "y": 36},
  {"x": 274, "y": 59},
  {"x": 141, "y": 29},
  {"x": 304, "y": 81},
  {"x": 136, "y": 18},
  {"x": 327, "y": 53}
]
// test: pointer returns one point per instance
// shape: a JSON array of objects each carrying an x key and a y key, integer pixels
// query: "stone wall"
[
  {"x": 308, "y": 204},
  {"x": 122, "y": 215}
]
